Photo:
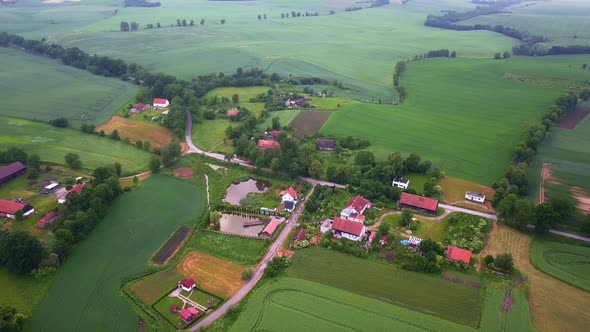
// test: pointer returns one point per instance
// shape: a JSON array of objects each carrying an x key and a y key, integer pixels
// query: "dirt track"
[{"x": 545, "y": 171}]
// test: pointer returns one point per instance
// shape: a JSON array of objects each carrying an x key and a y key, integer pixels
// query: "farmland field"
[
  {"x": 285, "y": 117},
  {"x": 137, "y": 224},
  {"x": 554, "y": 305},
  {"x": 237, "y": 249},
  {"x": 39, "y": 88},
  {"x": 210, "y": 135},
  {"x": 567, "y": 262},
  {"x": 139, "y": 131},
  {"x": 415, "y": 291},
  {"x": 450, "y": 100},
  {"x": 52, "y": 144},
  {"x": 309, "y": 122}
]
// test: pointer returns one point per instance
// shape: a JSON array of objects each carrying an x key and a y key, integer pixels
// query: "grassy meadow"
[
  {"x": 38, "y": 88},
  {"x": 566, "y": 262},
  {"x": 85, "y": 294},
  {"x": 52, "y": 144},
  {"x": 415, "y": 291},
  {"x": 237, "y": 249},
  {"x": 462, "y": 114}
]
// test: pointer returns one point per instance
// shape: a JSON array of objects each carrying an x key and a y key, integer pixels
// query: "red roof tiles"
[
  {"x": 358, "y": 203},
  {"x": 271, "y": 227},
  {"x": 458, "y": 254},
  {"x": 291, "y": 192},
  {"x": 347, "y": 226},
  {"x": 300, "y": 235},
  {"x": 419, "y": 202},
  {"x": 160, "y": 101},
  {"x": 187, "y": 283},
  {"x": 232, "y": 112},
  {"x": 266, "y": 144},
  {"x": 10, "y": 207}
]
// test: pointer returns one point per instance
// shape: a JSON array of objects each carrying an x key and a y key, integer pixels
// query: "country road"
[{"x": 259, "y": 272}]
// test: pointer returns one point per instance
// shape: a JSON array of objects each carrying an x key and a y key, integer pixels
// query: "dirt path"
[
  {"x": 544, "y": 174},
  {"x": 554, "y": 305}
]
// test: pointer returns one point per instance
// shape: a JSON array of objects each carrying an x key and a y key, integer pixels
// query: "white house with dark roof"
[
  {"x": 479, "y": 198},
  {"x": 401, "y": 183}
]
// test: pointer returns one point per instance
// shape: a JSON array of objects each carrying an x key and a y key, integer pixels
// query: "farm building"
[
  {"x": 418, "y": 203},
  {"x": 326, "y": 225},
  {"x": 401, "y": 183},
  {"x": 355, "y": 208},
  {"x": 351, "y": 230},
  {"x": 458, "y": 255},
  {"x": 271, "y": 228},
  {"x": 161, "y": 103},
  {"x": 264, "y": 144},
  {"x": 289, "y": 195},
  {"x": 289, "y": 206},
  {"x": 138, "y": 108},
  {"x": 187, "y": 284},
  {"x": 189, "y": 314},
  {"x": 475, "y": 197},
  {"x": 11, "y": 172},
  {"x": 275, "y": 133},
  {"x": 77, "y": 189},
  {"x": 300, "y": 235},
  {"x": 384, "y": 240},
  {"x": 414, "y": 241},
  {"x": 8, "y": 209},
  {"x": 47, "y": 219},
  {"x": 52, "y": 185},
  {"x": 326, "y": 144},
  {"x": 232, "y": 112}
]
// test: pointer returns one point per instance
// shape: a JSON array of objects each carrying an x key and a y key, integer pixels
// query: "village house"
[
  {"x": 47, "y": 219},
  {"x": 275, "y": 133},
  {"x": 326, "y": 225},
  {"x": 348, "y": 229},
  {"x": 187, "y": 284},
  {"x": 326, "y": 144},
  {"x": 355, "y": 208},
  {"x": 161, "y": 103},
  {"x": 418, "y": 203},
  {"x": 62, "y": 196},
  {"x": 8, "y": 209},
  {"x": 11, "y": 172},
  {"x": 138, "y": 108},
  {"x": 300, "y": 235},
  {"x": 264, "y": 144},
  {"x": 289, "y": 195},
  {"x": 271, "y": 228},
  {"x": 479, "y": 198},
  {"x": 458, "y": 255},
  {"x": 189, "y": 314},
  {"x": 232, "y": 112},
  {"x": 401, "y": 183}
]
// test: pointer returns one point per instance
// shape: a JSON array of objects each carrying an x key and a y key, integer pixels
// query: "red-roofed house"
[
  {"x": 355, "y": 208},
  {"x": 187, "y": 284},
  {"x": 289, "y": 195},
  {"x": 47, "y": 219},
  {"x": 161, "y": 103},
  {"x": 233, "y": 112},
  {"x": 8, "y": 209},
  {"x": 458, "y": 255},
  {"x": 271, "y": 228},
  {"x": 348, "y": 229},
  {"x": 300, "y": 234},
  {"x": 419, "y": 203},
  {"x": 189, "y": 314},
  {"x": 264, "y": 144},
  {"x": 77, "y": 189},
  {"x": 275, "y": 133}
]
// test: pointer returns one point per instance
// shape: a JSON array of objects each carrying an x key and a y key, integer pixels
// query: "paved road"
[
  {"x": 475, "y": 213},
  {"x": 258, "y": 273}
]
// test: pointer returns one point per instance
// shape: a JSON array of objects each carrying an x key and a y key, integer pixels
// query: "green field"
[
  {"x": 462, "y": 114},
  {"x": 285, "y": 117},
  {"x": 517, "y": 318},
  {"x": 237, "y": 249},
  {"x": 86, "y": 295},
  {"x": 415, "y": 291},
  {"x": 39, "y": 88},
  {"x": 567, "y": 262},
  {"x": 210, "y": 135},
  {"x": 52, "y": 144}
]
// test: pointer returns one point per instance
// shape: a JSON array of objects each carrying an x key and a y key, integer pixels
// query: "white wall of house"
[
  {"x": 475, "y": 198},
  {"x": 401, "y": 184},
  {"x": 348, "y": 236},
  {"x": 326, "y": 225},
  {"x": 28, "y": 213},
  {"x": 288, "y": 197}
]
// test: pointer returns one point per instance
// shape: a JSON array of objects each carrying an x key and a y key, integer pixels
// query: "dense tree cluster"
[
  {"x": 377, "y": 3},
  {"x": 531, "y": 49},
  {"x": 11, "y": 320},
  {"x": 141, "y": 3},
  {"x": 296, "y": 14},
  {"x": 60, "y": 122},
  {"x": 20, "y": 252}
]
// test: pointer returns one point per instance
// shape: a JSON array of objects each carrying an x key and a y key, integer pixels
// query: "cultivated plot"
[{"x": 567, "y": 262}]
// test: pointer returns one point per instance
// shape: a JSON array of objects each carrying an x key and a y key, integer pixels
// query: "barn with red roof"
[
  {"x": 265, "y": 144},
  {"x": 8, "y": 209},
  {"x": 418, "y": 203},
  {"x": 47, "y": 219},
  {"x": 161, "y": 103},
  {"x": 456, "y": 254},
  {"x": 233, "y": 112}
]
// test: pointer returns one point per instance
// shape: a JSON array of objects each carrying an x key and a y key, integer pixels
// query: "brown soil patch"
[
  {"x": 454, "y": 191},
  {"x": 213, "y": 274},
  {"x": 184, "y": 172},
  {"x": 582, "y": 198},
  {"x": 447, "y": 276},
  {"x": 183, "y": 147},
  {"x": 554, "y": 305},
  {"x": 138, "y": 130},
  {"x": 573, "y": 118},
  {"x": 309, "y": 122},
  {"x": 285, "y": 253}
]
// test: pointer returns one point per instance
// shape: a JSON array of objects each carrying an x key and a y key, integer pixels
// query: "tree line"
[
  {"x": 513, "y": 208},
  {"x": 534, "y": 50},
  {"x": 296, "y": 14}
]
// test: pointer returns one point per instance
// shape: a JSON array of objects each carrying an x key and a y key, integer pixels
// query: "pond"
[
  {"x": 234, "y": 224},
  {"x": 237, "y": 191}
]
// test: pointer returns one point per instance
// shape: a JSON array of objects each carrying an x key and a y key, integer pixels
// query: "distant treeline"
[
  {"x": 527, "y": 49},
  {"x": 377, "y": 3},
  {"x": 141, "y": 3}
]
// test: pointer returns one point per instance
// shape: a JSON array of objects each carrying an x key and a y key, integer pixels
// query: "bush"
[
  {"x": 466, "y": 231},
  {"x": 277, "y": 266},
  {"x": 247, "y": 274},
  {"x": 488, "y": 260},
  {"x": 504, "y": 262},
  {"x": 43, "y": 272}
]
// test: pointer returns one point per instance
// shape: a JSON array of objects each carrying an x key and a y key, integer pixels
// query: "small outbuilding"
[
  {"x": 47, "y": 219},
  {"x": 326, "y": 225},
  {"x": 479, "y": 198},
  {"x": 265, "y": 144},
  {"x": 187, "y": 284},
  {"x": 189, "y": 314},
  {"x": 232, "y": 112},
  {"x": 300, "y": 234},
  {"x": 401, "y": 183},
  {"x": 271, "y": 228},
  {"x": 456, "y": 254},
  {"x": 326, "y": 144}
]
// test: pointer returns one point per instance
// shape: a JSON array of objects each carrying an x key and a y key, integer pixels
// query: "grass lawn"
[
  {"x": 454, "y": 190},
  {"x": 210, "y": 134},
  {"x": 52, "y": 144},
  {"x": 285, "y": 117},
  {"x": 163, "y": 307},
  {"x": 430, "y": 229},
  {"x": 154, "y": 286},
  {"x": 136, "y": 225},
  {"x": 312, "y": 306},
  {"x": 417, "y": 181},
  {"x": 331, "y": 104},
  {"x": 39, "y": 88},
  {"x": 451, "y": 99},
  {"x": 24, "y": 293},
  {"x": 415, "y": 291},
  {"x": 237, "y": 249},
  {"x": 566, "y": 262},
  {"x": 245, "y": 93},
  {"x": 517, "y": 318},
  {"x": 203, "y": 298}
]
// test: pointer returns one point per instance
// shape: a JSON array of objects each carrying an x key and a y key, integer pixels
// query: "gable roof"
[
  {"x": 267, "y": 144},
  {"x": 358, "y": 203},
  {"x": 300, "y": 235},
  {"x": 326, "y": 144},
  {"x": 77, "y": 188},
  {"x": 187, "y": 283},
  {"x": 139, "y": 106},
  {"x": 271, "y": 227},
  {"x": 419, "y": 202},
  {"x": 347, "y": 226},
  {"x": 11, "y": 169},
  {"x": 232, "y": 112},
  {"x": 474, "y": 194},
  {"x": 401, "y": 180},
  {"x": 193, "y": 311},
  {"x": 48, "y": 217},
  {"x": 186, "y": 314},
  {"x": 457, "y": 254},
  {"x": 291, "y": 192},
  {"x": 161, "y": 101},
  {"x": 10, "y": 207}
]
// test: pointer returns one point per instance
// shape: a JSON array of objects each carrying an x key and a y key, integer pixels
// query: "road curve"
[{"x": 258, "y": 273}]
